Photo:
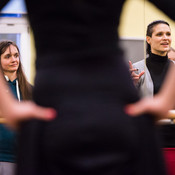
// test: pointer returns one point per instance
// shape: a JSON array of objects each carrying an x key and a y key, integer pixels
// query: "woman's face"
[
  {"x": 160, "y": 41},
  {"x": 10, "y": 60}
]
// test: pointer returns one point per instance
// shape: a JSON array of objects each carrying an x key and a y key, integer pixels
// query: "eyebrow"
[
  {"x": 16, "y": 53},
  {"x": 163, "y": 32}
]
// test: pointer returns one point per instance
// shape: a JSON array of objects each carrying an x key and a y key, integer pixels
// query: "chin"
[
  {"x": 166, "y": 49},
  {"x": 13, "y": 70}
]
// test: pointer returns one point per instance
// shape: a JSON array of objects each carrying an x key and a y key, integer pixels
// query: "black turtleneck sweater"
[{"x": 158, "y": 67}]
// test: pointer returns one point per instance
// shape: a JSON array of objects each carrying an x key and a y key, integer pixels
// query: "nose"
[
  {"x": 13, "y": 58},
  {"x": 165, "y": 36}
]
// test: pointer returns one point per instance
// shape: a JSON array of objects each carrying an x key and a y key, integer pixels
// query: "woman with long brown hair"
[
  {"x": 11, "y": 67},
  {"x": 6, "y": 48}
]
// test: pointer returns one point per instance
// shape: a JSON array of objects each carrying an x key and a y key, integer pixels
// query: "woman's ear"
[{"x": 148, "y": 39}]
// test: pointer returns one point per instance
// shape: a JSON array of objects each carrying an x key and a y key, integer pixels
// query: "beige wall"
[{"x": 33, "y": 57}]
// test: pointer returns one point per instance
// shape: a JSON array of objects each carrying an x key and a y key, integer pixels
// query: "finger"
[
  {"x": 135, "y": 78},
  {"x": 133, "y": 69},
  {"x": 141, "y": 73},
  {"x": 130, "y": 65},
  {"x": 34, "y": 111},
  {"x": 134, "y": 74},
  {"x": 28, "y": 110},
  {"x": 137, "y": 108},
  {"x": 44, "y": 113}
]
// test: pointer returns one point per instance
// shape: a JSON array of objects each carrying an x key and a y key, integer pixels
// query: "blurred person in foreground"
[{"x": 91, "y": 132}]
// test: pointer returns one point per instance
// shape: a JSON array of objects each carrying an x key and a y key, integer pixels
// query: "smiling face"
[
  {"x": 10, "y": 60},
  {"x": 160, "y": 41}
]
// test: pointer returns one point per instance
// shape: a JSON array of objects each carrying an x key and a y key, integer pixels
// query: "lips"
[
  {"x": 14, "y": 65},
  {"x": 165, "y": 44}
]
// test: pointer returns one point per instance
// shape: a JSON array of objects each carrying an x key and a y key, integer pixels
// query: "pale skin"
[
  {"x": 171, "y": 54},
  {"x": 10, "y": 62},
  {"x": 135, "y": 76},
  {"x": 160, "y": 43}
]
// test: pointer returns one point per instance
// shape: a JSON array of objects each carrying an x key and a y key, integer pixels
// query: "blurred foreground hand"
[
  {"x": 22, "y": 111},
  {"x": 156, "y": 106}
]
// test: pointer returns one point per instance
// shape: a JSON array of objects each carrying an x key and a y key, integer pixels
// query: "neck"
[
  {"x": 157, "y": 58},
  {"x": 11, "y": 75}
]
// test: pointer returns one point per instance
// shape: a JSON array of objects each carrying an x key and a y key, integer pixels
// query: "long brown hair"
[{"x": 24, "y": 86}]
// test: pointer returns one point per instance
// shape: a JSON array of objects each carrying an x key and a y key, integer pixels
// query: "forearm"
[
  {"x": 168, "y": 89},
  {"x": 6, "y": 97}
]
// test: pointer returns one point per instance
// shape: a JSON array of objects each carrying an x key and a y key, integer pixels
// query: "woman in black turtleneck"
[
  {"x": 150, "y": 77},
  {"x": 157, "y": 63}
]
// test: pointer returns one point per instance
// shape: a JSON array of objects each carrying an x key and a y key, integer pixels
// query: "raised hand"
[
  {"x": 135, "y": 76},
  {"x": 160, "y": 104}
]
